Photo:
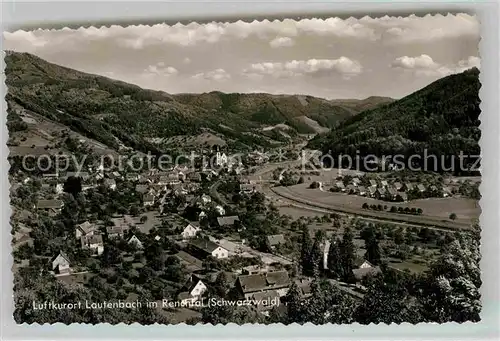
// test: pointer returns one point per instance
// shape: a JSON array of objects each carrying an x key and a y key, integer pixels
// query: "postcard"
[{"x": 321, "y": 170}]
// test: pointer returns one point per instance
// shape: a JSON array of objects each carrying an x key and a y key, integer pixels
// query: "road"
[{"x": 214, "y": 194}]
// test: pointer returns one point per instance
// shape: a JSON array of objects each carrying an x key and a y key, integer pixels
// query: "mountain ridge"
[
  {"x": 442, "y": 119},
  {"x": 112, "y": 110}
]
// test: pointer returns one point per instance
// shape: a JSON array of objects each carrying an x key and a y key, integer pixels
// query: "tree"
[
  {"x": 453, "y": 216},
  {"x": 373, "y": 253},
  {"x": 347, "y": 255},
  {"x": 316, "y": 256},
  {"x": 399, "y": 237},
  {"x": 334, "y": 258},
  {"x": 365, "y": 206},
  {"x": 73, "y": 185},
  {"x": 388, "y": 302},
  {"x": 221, "y": 284},
  {"x": 294, "y": 305},
  {"x": 451, "y": 287},
  {"x": 305, "y": 251}
]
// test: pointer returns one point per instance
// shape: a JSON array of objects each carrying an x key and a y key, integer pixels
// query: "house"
[
  {"x": 384, "y": 183},
  {"x": 339, "y": 185},
  {"x": 191, "y": 263},
  {"x": 116, "y": 231},
  {"x": 116, "y": 175},
  {"x": 83, "y": 175},
  {"x": 398, "y": 186},
  {"x": 148, "y": 200},
  {"x": 373, "y": 182},
  {"x": 228, "y": 221},
  {"x": 304, "y": 286},
  {"x": 421, "y": 188},
  {"x": 93, "y": 242},
  {"x": 110, "y": 183},
  {"x": 171, "y": 178},
  {"x": 121, "y": 226},
  {"x": 380, "y": 193},
  {"x": 402, "y": 196},
  {"x": 59, "y": 188},
  {"x": 220, "y": 159},
  {"x": 202, "y": 215},
  {"x": 50, "y": 206},
  {"x": 363, "y": 268},
  {"x": 355, "y": 181},
  {"x": 248, "y": 285},
  {"x": 190, "y": 231},
  {"x": 141, "y": 188},
  {"x": 351, "y": 189},
  {"x": 362, "y": 190},
  {"x": 61, "y": 264},
  {"x": 22, "y": 237},
  {"x": 134, "y": 241},
  {"x": 220, "y": 210},
  {"x": 446, "y": 192},
  {"x": 408, "y": 187},
  {"x": 265, "y": 300},
  {"x": 372, "y": 190},
  {"x": 192, "y": 290},
  {"x": 132, "y": 177},
  {"x": 254, "y": 269},
  {"x": 205, "y": 199},
  {"x": 194, "y": 177},
  {"x": 247, "y": 188},
  {"x": 84, "y": 229},
  {"x": 392, "y": 193},
  {"x": 274, "y": 240},
  {"x": 205, "y": 247},
  {"x": 361, "y": 263}
]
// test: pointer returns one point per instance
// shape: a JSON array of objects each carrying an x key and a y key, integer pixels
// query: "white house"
[
  {"x": 148, "y": 200},
  {"x": 197, "y": 289},
  {"x": 190, "y": 231},
  {"x": 220, "y": 210},
  {"x": 61, "y": 264},
  {"x": 110, "y": 183},
  {"x": 220, "y": 159},
  {"x": 136, "y": 242},
  {"x": 59, "y": 188},
  {"x": 205, "y": 199},
  {"x": 208, "y": 247}
]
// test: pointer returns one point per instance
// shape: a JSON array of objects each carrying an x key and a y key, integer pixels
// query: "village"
[{"x": 180, "y": 215}]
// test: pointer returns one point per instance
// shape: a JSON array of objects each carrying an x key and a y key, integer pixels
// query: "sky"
[{"x": 331, "y": 58}]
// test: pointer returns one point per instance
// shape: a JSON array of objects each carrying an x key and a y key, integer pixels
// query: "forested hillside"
[{"x": 442, "y": 118}]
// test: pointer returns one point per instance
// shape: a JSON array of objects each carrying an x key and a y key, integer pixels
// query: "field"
[{"x": 437, "y": 208}]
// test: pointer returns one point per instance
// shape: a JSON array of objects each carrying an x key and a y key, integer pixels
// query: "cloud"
[
  {"x": 424, "y": 65},
  {"x": 422, "y": 61},
  {"x": 186, "y": 60},
  {"x": 214, "y": 75},
  {"x": 281, "y": 42},
  {"x": 161, "y": 70},
  {"x": 429, "y": 28},
  {"x": 140, "y": 36},
  {"x": 343, "y": 65}
]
